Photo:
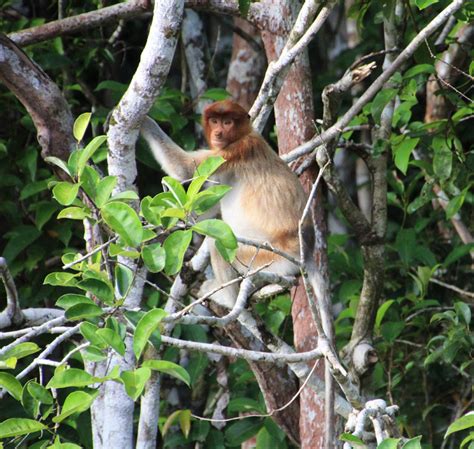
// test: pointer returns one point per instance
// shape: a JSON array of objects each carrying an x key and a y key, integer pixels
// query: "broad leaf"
[
  {"x": 175, "y": 246},
  {"x": 76, "y": 402},
  {"x": 218, "y": 230},
  {"x": 11, "y": 384},
  {"x": 74, "y": 213},
  {"x": 14, "y": 427},
  {"x": 72, "y": 299},
  {"x": 80, "y": 125},
  {"x": 59, "y": 163},
  {"x": 208, "y": 167},
  {"x": 112, "y": 338},
  {"x": 21, "y": 350},
  {"x": 402, "y": 153},
  {"x": 134, "y": 381},
  {"x": 60, "y": 278},
  {"x": 65, "y": 192},
  {"x": 81, "y": 311},
  {"x": 88, "y": 151},
  {"x": 163, "y": 366},
  {"x": 124, "y": 221},
  {"x": 73, "y": 377},
  {"x": 145, "y": 327},
  {"x": 154, "y": 256}
]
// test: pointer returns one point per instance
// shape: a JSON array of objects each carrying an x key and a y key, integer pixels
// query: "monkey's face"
[{"x": 222, "y": 132}]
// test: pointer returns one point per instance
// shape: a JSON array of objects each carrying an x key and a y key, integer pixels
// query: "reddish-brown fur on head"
[{"x": 226, "y": 109}]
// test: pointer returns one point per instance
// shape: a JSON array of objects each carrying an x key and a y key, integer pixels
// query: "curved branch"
[
  {"x": 40, "y": 96},
  {"x": 332, "y": 132}
]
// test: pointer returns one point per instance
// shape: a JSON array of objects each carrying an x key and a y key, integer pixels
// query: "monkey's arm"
[{"x": 173, "y": 159}]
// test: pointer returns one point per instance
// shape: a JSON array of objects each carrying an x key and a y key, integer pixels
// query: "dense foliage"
[{"x": 423, "y": 328}]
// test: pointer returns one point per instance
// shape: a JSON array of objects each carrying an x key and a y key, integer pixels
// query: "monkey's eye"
[
  {"x": 228, "y": 122},
  {"x": 213, "y": 120}
]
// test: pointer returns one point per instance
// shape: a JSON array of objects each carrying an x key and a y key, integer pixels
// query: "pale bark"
[{"x": 123, "y": 131}]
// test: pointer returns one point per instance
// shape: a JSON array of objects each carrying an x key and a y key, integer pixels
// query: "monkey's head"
[{"x": 225, "y": 122}]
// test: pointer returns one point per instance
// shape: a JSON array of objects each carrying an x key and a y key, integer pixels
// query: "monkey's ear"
[{"x": 248, "y": 116}]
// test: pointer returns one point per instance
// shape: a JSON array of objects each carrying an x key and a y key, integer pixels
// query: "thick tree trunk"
[{"x": 294, "y": 115}]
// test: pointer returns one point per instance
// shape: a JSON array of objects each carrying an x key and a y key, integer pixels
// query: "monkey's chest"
[{"x": 245, "y": 213}]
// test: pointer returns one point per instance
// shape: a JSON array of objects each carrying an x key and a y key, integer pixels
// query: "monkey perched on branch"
[{"x": 266, "y": 201}]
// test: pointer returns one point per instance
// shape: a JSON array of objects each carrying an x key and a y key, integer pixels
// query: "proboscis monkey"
[{"x": 266, "y": 201}]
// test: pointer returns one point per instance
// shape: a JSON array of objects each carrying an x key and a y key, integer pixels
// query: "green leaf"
[
  {"x": 74, "y": 213},
  {"x": 207, "y": 168},
  {"x": 93, "y": 354},
  {"x": 266, "y": 440},
  {"x": 19, "y": 239},
  {"x": 463, "y": 311},
  {"x": 154, "y": 256},
  {"x": 59, "y": 163},
  {"x": 44, "y": 212},
  {"x": 72, "y": 299},
  {"x": 422, "y": 4},
  {"x": 33, "y": 188},
  {"x": 60, "y": 278},
  {"x": 124, "y": 221},
  {"x": 413, "y": 443},
  {"x": 65, "y": 192},
  {"x": 76, "y": 402},
  {"x": 195, "y": 186},
  {"x": 80, "y": 125},
  {"x": 245, "y": 405},
  {"x": 418, "y": 69},
  {"x": 113, "y": 339},
  {"x": 381, "y": 312},
  {"x": 11, "y": 384},
  {"x": 88, "y": 151},
  {"x": 425, "y": 196},
  {"x": 403, "y": 151},
  {"x": 99, "y": 288},
  {"x": 380, "y": 101},
  {"x": 241, "y": 431},
  {"x": 163, "y": 366},
  {"x": 21, "y": 350},
  {"x": 244, "y": 6},
  {"x": 151, "y": 214},
  {"x": 89, "y": 332},
  {"x": 443, "y": 158},
  {"x": 40, "y": 393},
  {"x": 227, "y": 253},
  {"x": 134, "y": 381},
  {"x": 175, "y": 246},
  {"x": 391, "y": 330},
  {"x": 457, "y": 253},
  {"x": 215, "y": 94},
  {"x": 185, "y": 422},
  {"x": 353, "y": 440},
  {"x": 218, "y": 230},
  {"x": 145, "y": 327},
  {"x": 176, "y": 189},
  {"x": 104, "y": 189},
  {"x": 81, "y": 311},
  {"x": 389, "y": 443},
  {"x": 455, "y": 204},
  {"x": 203, "y": 201},
  {"x": 123, "y": 279},
  {"x": 14, "y": 427},
  {"x": 126, "y": 195},
  {"x": 72, "y": 377}
]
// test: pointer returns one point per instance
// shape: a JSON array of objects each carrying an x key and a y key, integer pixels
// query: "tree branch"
[{"x": 405, "y": 55}]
